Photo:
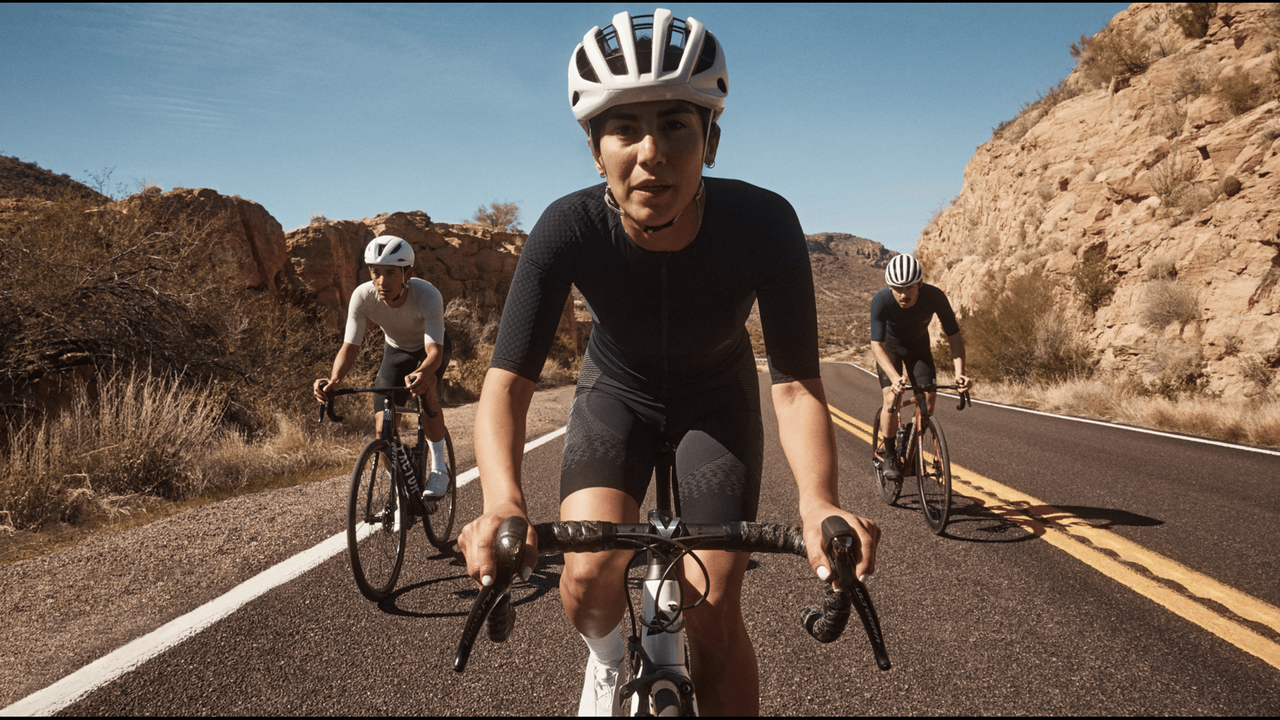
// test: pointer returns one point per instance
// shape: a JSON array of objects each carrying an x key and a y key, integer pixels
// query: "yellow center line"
[{"x": 1066, "y": 532}]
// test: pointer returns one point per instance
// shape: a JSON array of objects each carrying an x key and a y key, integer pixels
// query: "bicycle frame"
[{"x": 658, "y": 661}]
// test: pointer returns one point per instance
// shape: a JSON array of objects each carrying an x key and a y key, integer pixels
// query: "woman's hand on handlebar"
[
  {"x": 479, "y": 538},
  {"x": 868, "y": 534}
]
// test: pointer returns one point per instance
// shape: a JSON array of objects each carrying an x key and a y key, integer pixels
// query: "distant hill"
[
  {"x": 847, "y": 271},
  {"x": 23, "y": 179}
]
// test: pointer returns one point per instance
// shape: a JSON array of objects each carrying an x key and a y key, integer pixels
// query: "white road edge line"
[
  {"x": 115, "y": 664},
  {"x": 1104, "y": 423}
]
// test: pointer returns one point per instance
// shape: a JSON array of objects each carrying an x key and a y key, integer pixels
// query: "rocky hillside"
[
  {"x": 23, "y": 179},
  {"x": 1145, "y": 188}
]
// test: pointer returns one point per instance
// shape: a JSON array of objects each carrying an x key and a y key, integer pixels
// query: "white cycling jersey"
[{"x": 410, "y": 327}]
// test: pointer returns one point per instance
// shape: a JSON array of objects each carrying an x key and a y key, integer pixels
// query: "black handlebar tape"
[
  {"x": 842, "y": 550},
  {"x": 496, "y": 598}
]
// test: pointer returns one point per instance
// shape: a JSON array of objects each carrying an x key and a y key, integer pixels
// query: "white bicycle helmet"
[
  {"x": 648, "y": 57},
  {"x": 902, "y": 271},
  {"x": 388, "y": 250}
]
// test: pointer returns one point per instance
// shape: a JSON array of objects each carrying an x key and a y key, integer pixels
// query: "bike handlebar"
[
  {"x": 964, "y": 393},
  {"x": 493, "y": 605},
  {"x": 326, "y": 408}
]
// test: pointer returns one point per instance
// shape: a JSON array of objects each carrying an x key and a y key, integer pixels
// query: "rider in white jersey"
[{"x": 410, "y": 312}]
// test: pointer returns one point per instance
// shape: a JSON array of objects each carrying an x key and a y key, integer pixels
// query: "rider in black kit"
[
  {"x": 670, "y": 264},
  {"x": 900, "y": 316}
]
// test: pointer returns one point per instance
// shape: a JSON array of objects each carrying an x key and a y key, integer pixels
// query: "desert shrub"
[
  {"x": 1268, "y": 133},
  {"x": 1032, "y": 112},
  {"x": 1169, "y": 121},
  {"x": 472, "y": 334},
  {"x": 1160, "y": 266},
  {"x": 504, "y": 216},
  {"x": 149, "y": 284},
  {"x": 1231, "y": 186},
  {"x": 1169, "y": 176},
  {"x": 1256, "y": 371},
  {"x": 1231, "y": 344},
  {"x": 1194, "y": 19},
  {"x": 1110, "y": 53},
  {"x": 1240, "y": 92},
  {"x": 1169, "y": 301},
  {"x": 1095, "y": 280},
  {"x": 1177, "y": 367},
  {"x": 1018, "y": 336}
]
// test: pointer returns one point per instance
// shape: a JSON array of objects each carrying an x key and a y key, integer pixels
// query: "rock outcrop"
[
  {"x": 470, "y": 262},
  {"x": 1168, "y": 180}
]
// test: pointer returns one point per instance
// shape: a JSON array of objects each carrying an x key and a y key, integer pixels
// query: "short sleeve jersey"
[
  {"x": 910, "y": 326},
  {"x": 410, "y": 327},
  {"x": 666, "y": 322}
]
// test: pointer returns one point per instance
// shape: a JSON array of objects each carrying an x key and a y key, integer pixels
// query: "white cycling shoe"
[
  {"x": 437, "y": 483},
  {"x": 597, "y": 689}
]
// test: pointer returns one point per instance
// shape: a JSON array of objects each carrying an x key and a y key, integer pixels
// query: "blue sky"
[{"x": 863, "y": 116}]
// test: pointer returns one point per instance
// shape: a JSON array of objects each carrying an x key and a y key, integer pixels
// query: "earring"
[{"x": 601, "y": 173}]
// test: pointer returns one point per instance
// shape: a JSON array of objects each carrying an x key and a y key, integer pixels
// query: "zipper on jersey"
[{"x": 666, "y": 324}]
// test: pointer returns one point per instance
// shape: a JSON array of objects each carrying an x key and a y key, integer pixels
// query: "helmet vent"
[
  {"x": 706, "y": 58},
  {"x": 584, "y": 70}
]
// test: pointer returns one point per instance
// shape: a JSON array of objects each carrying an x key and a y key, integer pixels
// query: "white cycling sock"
[
  {"x": 439, "y": 462},
  {"x": 609, "y": 649}
]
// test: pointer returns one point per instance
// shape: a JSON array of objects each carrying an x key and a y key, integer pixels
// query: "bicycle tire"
[
  {"x": 933, "y": 473},
  {"x": 889, "y": 489},
  {"x": 439, "y": 524},
  {"x": 377, "y": 522},
  {"x": 666, "y": 703}
]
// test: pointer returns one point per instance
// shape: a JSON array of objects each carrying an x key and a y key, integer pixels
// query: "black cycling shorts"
[
  {"x": 397, "y": 364},
  {"x": 614, "y": 432},
  {"x": 917, "y": 360}
]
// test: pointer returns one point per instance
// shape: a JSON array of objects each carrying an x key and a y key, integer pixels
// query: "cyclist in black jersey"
[
  {"x": 670, "y": 264},
  {"x": 900, "y": 316}
]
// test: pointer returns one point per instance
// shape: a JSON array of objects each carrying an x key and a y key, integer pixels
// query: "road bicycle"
[
  {"x": 920, "y": 448},
  {"x": 655, "y": 680},
  {"x": 385, "y": 497}
]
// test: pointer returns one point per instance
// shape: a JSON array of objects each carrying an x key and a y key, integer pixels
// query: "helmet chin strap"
[{"x": 649, "y": 229}]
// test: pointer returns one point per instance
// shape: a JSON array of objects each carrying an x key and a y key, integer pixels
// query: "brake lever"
[
  {"x": 841, "y": 547},
  {"x": 326, "y": 408},
  {"x": 493, "y": 603}
]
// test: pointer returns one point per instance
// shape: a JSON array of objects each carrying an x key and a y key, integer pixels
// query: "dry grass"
[
  {"x": 1254, "y": 421},
  {"x": 135, "y": 442}
]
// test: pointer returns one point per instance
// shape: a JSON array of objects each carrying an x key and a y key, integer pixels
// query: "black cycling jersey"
[
  {"x": 910, "y": 326},
  {"x": 667, "y": 323}
]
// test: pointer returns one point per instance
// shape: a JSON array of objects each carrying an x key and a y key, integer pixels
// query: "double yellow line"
[{"x": 1115, "y": 557}]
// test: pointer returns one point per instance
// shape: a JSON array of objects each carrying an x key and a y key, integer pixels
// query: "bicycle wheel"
[
  {"x": 666, "y": 703},
  {"x": 889, "y": 489},
  {"x": 377, "y": 522},
  {"x": 933, "y": 472},
  {"x": 438, "y": 523}
]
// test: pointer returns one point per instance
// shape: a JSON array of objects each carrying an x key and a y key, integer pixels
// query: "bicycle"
[
  {"x": 656, "y": 680},
  {"x": 921, "y": 450},
  {"x": 384, "y": 499}
]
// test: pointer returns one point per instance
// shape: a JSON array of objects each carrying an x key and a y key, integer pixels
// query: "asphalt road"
[{"x": 989, "y": 618}]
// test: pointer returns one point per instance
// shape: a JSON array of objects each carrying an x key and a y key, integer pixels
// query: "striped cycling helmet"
[{"x": 903, "y": 271}]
